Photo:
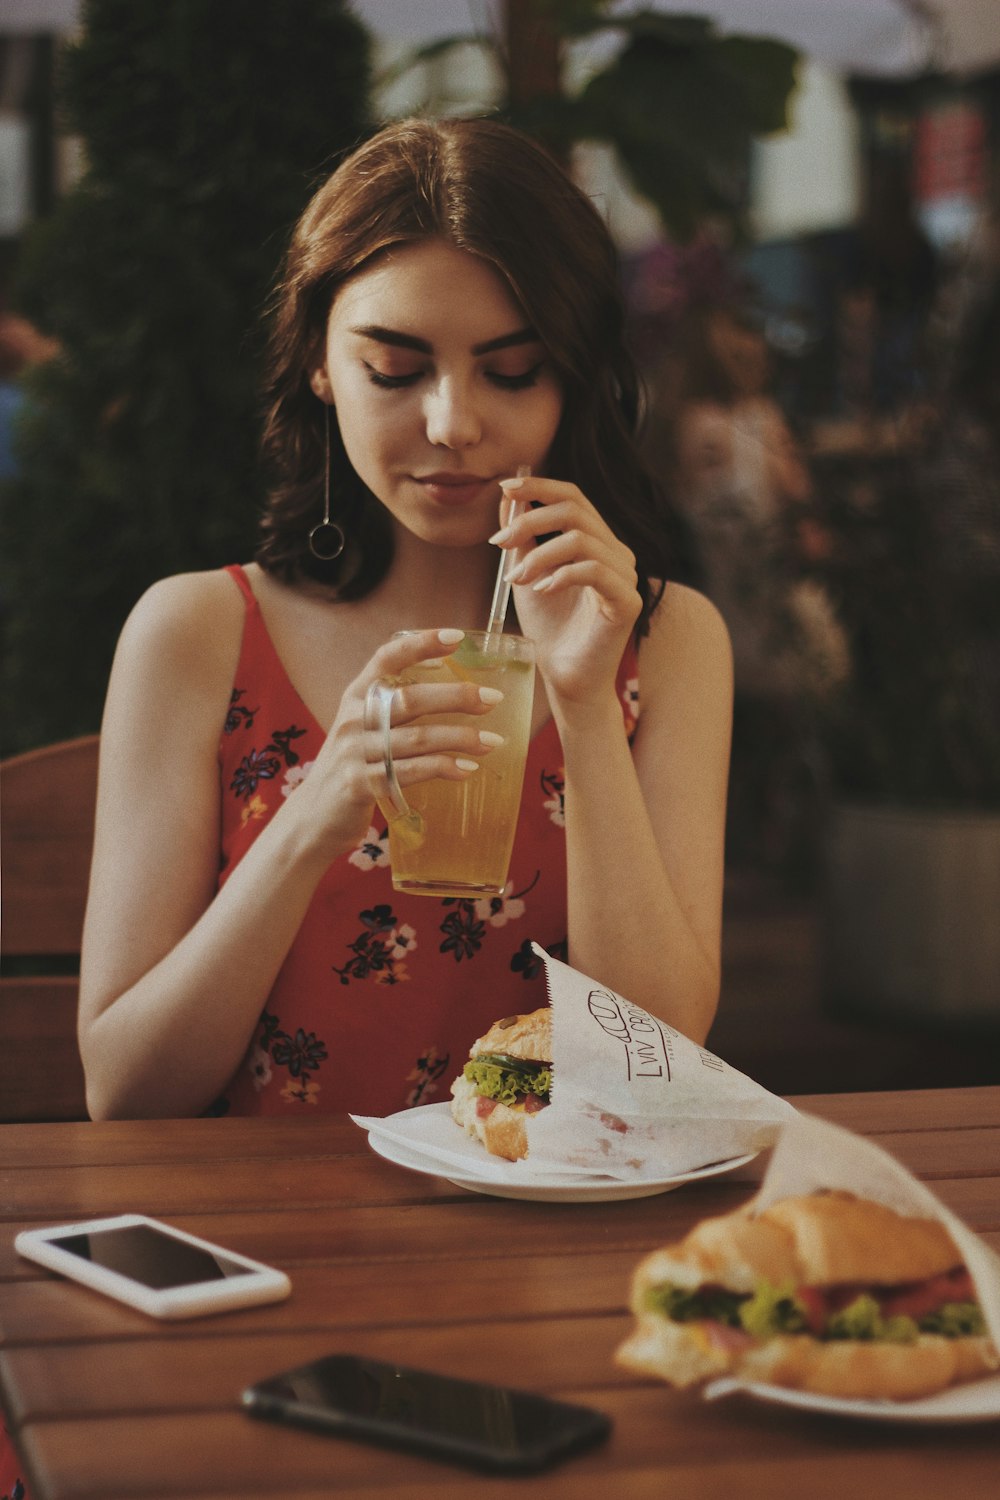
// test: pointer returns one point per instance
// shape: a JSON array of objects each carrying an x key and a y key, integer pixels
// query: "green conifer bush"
[{"x": 205, "y": 128}]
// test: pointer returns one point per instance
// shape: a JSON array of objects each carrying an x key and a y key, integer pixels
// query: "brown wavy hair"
[{"x": 488, "y": 189}]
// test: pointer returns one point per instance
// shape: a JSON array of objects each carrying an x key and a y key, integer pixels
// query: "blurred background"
[{"x": 806, "y": 200}]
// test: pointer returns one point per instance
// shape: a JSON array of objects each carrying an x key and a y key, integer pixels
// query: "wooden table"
[{"x": 106, "y": 1403}]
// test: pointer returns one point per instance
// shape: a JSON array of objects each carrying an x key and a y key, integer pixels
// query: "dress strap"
[{"x": 242, "y": 582}]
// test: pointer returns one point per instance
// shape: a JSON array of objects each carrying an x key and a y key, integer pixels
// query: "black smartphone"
[{"x": 485, "y": 1426}]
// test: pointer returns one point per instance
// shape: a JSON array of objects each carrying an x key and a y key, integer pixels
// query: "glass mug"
[{"x": 454, "y": 838}]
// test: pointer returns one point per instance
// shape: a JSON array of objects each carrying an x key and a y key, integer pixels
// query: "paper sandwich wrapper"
[{"x": 632, "y": 1099}]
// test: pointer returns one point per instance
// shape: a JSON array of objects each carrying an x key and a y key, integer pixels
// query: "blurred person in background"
[
  {"x": 21, "y": 345},
  {"x": 740, "y": 478}
]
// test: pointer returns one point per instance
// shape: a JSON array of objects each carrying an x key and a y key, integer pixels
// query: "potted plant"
[{"x": 678, "y": 101}]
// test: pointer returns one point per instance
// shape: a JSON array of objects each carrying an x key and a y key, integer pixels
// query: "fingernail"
[
  {"x": 489, "y": 738},
  {"x": 466, "y": 765},
  {"x": 511, "y": 484},
  {"x": 490, "y": 695},
  {"x": 451, "y": 637},
  {"x": 503, "y": 535},
  {"x": 514, "y": 573},
  {"x": 543, "y": 584}
]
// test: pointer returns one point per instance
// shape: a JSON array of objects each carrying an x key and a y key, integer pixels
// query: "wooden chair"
[{"x": 47, "y": 800}]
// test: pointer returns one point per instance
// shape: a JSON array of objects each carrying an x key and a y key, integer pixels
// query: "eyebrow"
[{"x": 422, "y": 346}]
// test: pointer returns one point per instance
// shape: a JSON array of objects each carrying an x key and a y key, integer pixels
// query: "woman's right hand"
[{"x": 348, "y": 775}]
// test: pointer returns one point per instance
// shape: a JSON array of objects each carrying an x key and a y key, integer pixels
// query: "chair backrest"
[{"x": 47, "y": 800}]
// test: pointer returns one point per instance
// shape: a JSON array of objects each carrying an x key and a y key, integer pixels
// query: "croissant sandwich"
[
  {"x": 505, "y": 1082},
  {"x": 827, "y": 1293}
]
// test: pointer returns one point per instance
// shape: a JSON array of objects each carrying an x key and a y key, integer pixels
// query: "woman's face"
[{"x": 440, "y": 387}]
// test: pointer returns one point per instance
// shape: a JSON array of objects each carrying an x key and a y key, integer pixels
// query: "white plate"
[
  {"x": 547, "y": 1187},
  {"x": 977, "y": 1401}
]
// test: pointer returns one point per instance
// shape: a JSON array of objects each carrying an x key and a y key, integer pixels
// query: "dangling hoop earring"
[{"x": 326, "y": 540}]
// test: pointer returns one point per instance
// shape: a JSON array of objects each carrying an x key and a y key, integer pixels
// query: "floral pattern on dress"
[
  {"x": 463, "y": 930},
  {"x": 301, "y": 1091},
  {"x": 254, "y": 768},
  {"x": 630, "y": 703},
  {"x": 379, "y": 951},
  {"x": 499, "y": 910},
  {"x": 259, "y": 1064},
  {"x": 295, "y": 776},
  {"x": 527, "y": 963},
  {"x": 507, "y": 907},
  {"x": 425, "y": 1075},
  {"x": 373, "y": 851},
  {"x": 554, "y": 786},
  {"x": 254, "y": 811},
  {"x": 264, "y": 764},
  {"x": 238, "y": 713},
  {"x": 302, "y": 1053}
]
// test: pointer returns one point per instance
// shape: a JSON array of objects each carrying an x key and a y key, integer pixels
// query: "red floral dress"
[
  {"x": 11, "y": 1484},
  {"x": 382, "y": 993}
]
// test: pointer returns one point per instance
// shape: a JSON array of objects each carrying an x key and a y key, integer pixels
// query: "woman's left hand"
[{"x": 576, "y": 591}]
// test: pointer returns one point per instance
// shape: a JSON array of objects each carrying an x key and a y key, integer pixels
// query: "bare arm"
[
  {"x": 645, "y": 835},
  {"x": 172, "y": 980}
]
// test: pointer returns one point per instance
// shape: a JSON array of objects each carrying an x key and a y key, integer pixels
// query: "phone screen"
[
  {"x": 150, "y": 1257},
  {"x": 486, "y": 1425}
]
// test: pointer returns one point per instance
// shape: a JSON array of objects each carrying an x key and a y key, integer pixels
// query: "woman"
[{"x": 448, "y": 313}]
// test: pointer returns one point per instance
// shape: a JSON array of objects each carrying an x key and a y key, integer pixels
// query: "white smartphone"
[{"x": 153, "y": 1267}]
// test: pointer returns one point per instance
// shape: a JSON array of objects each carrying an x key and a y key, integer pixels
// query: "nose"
[{"x": 452, "y": 415}]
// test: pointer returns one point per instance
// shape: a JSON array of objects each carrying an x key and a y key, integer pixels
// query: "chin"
[{"x": 456, "y": 532}]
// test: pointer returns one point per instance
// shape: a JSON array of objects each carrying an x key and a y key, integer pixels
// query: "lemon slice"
[
  {"x": 409, "y": 828},
  {"x": 457, "y": 670}
]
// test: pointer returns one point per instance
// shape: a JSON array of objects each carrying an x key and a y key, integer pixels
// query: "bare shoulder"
[
  {"x": 686, "y": 627},
  {"x": 181, "y": 641},
  {"x": 191, "y": 618},
  {"x": 185, "y": 607},
  {"x": 686, "y": 660}
]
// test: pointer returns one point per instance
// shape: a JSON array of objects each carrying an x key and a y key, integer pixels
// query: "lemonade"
[{"x": 468, "y": 826}]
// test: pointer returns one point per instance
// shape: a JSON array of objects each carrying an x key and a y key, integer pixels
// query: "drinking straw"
[{"x": 501, "y": 591}]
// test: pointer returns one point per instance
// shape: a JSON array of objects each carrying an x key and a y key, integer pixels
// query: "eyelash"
[{"x": 504, "y": 382}]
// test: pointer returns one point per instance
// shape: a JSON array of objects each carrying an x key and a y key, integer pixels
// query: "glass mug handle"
[{"x": 378, "y": 719}]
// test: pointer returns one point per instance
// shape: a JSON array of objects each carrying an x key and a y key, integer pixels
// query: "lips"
[{"x": 451, "y": 488}]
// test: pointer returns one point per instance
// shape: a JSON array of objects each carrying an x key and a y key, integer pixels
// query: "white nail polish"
[
  {"x": 490, "y": 695},
  {"x": 466, "y": 765},
  {"x": 543, "y": 584},
  {"x": 489, "y": 738},
  {"x": 514, "y": 573},
  {"x": 451, "y": 637},
  {"x": 511, "y": 484},
  {"x": 503, "y": 535}
]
